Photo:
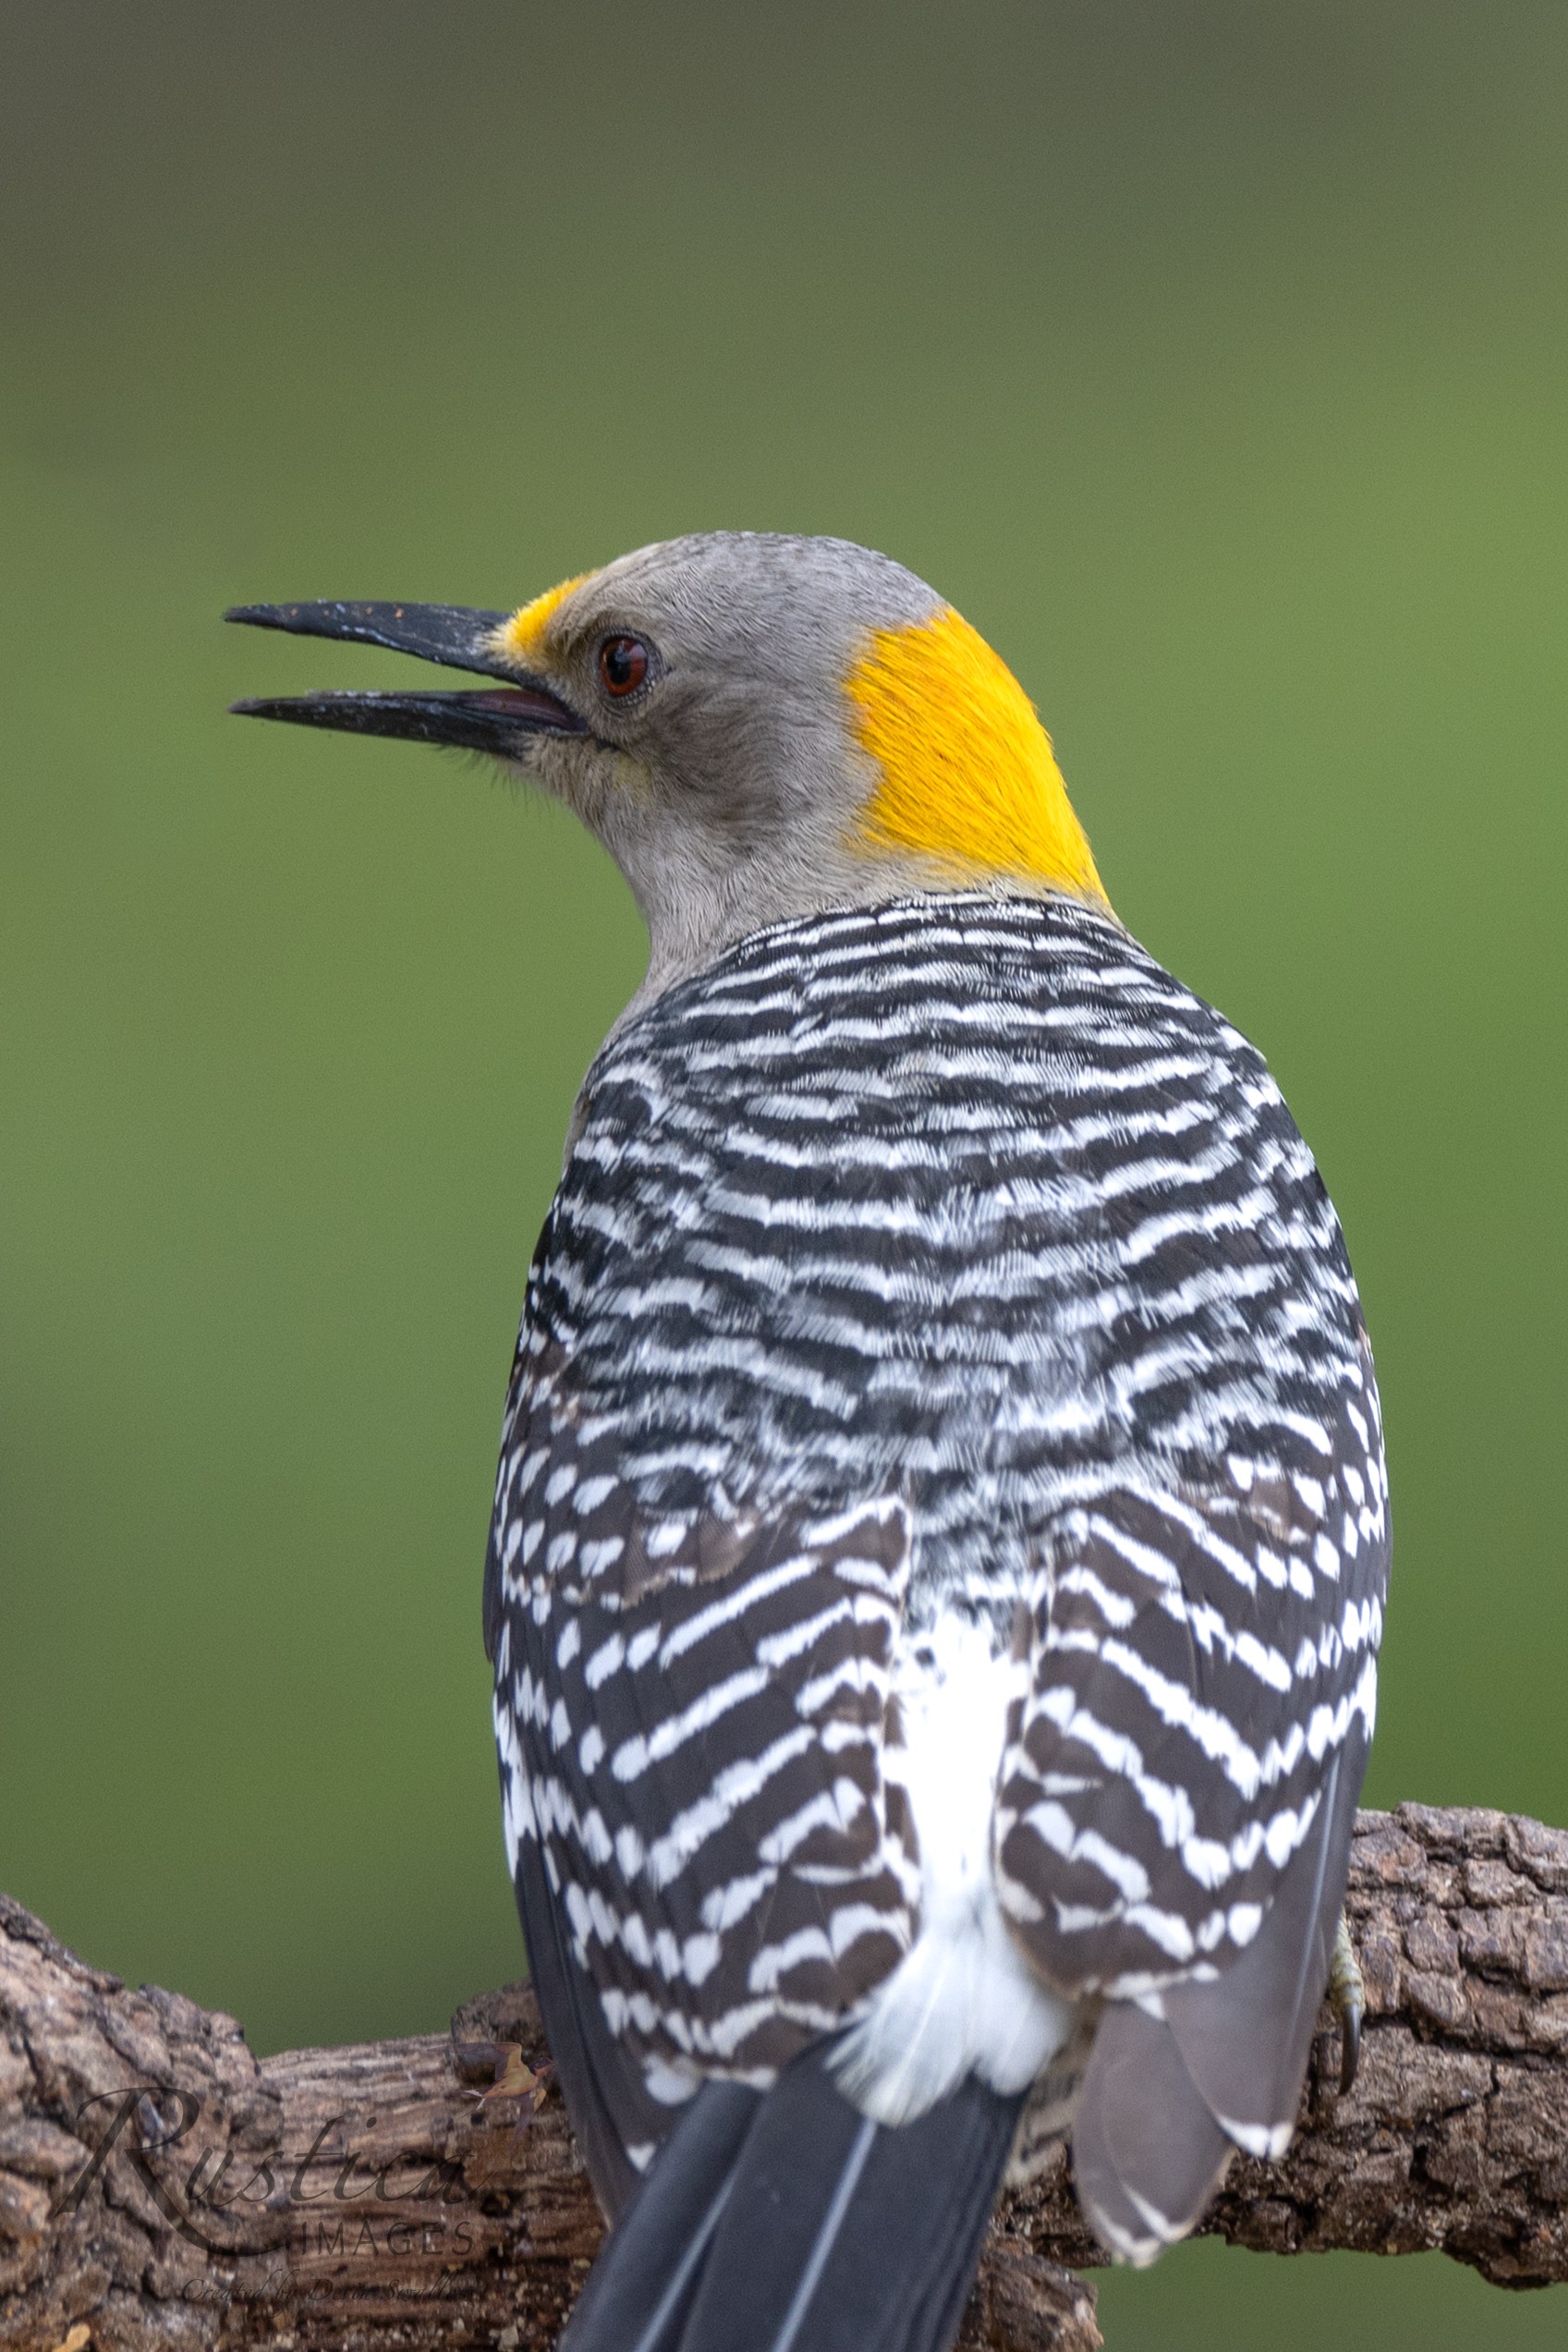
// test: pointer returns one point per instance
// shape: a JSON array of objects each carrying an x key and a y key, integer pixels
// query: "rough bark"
[{"x": 161, "y": 2188}]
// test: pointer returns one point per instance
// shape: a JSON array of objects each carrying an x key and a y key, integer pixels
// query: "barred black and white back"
[{"x": 938, "y": 1549}]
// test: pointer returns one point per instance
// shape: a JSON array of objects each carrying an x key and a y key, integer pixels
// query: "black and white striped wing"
[
  {"x": 690, "y": 1719},
  {"x": 1173, "y": 1810},
  {"x": 1199, "y": 1660}
]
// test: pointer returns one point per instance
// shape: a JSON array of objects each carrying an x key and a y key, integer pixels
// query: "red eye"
[{"x": 623, "y": 664}]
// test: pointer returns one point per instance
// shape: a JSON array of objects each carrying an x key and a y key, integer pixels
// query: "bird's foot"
[{"x": 1347, "y": 1998}]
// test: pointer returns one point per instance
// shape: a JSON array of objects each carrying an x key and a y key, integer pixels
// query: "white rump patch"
[{"x": 963, "y": 1999}]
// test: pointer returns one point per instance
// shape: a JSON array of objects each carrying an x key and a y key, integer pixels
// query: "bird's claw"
[{"x": 1347, "y": 1998}]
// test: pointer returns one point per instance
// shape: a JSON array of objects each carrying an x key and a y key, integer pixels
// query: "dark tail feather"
[
  {"x": 839, "y": 2235},
  {"x": 641, "y": 2288}
]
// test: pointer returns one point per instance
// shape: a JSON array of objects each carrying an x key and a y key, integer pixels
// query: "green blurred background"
[{"x": 1211, "y": 358}]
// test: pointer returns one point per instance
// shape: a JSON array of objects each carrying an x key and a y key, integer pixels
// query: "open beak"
[{"x": 495, "y": 719}]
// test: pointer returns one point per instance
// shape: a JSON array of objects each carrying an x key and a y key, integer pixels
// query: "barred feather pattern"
[{"x": 943, "y": 1258}]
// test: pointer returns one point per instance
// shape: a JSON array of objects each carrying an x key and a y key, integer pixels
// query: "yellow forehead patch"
[
  {"x": 967, "y": 772},
  {"x": 520, "y": 636}
]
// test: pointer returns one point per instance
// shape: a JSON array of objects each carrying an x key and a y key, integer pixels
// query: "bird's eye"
[{"x": 623, "y": 664}]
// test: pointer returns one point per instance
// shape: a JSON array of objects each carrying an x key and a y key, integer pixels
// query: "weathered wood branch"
[{"x": 161, "y": 2188}]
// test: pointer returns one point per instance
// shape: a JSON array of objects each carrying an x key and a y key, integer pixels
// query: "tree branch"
[{"x": 161, "y": 2187}]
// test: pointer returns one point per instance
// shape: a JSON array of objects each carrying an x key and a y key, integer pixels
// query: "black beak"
[{"x": 494, "y": 720}]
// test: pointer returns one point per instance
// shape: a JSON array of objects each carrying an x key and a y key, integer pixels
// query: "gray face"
[
  {"x": 725, "y": 781},
  {"x": 726, "y": 784}
]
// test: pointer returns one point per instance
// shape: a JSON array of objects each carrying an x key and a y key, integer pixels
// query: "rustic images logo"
[{"x": 336, "y": 2200}]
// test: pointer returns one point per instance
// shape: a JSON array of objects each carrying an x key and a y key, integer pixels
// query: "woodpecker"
[{"x": 941, "y": 1539}]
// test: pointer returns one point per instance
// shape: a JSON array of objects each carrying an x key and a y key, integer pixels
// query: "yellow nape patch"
[
  {"x": 968, "y": 775},
  {"x": 520, "y": 636}
]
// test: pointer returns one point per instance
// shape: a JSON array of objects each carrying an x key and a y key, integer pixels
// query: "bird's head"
[{"x": 755, "y": 727}]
